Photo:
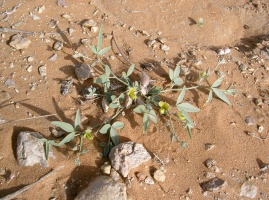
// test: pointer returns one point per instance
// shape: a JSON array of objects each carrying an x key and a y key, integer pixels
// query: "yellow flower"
[
  {"x": 181, "y": 116},
  {"x": 88, "y": 134},
  {"x": 132, "y": 93},
  {"x": 163, "y": 107}
]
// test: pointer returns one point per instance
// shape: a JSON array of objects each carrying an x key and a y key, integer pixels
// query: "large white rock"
[
  {"x": 29, "y": 150},
  {"x": 103, "y": 188},
  {"x": 249, "y": 190},
  {"x": 19, "y": 42},
  {"x": 127, "y": 156}
]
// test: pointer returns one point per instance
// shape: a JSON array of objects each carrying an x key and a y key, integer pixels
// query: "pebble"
[
  {"x": 249, "y": 120},
  {"x": 41, "y": 9},
  {"x": 213, "y": 184},
  {"x": 149, "y": 181},
  {"x": 150, "y": 43},
  {"x": 58, "y": 45},
  {"x": 89, "y": 23},
  {"x": 53, "y": 57},
  {"x": 42, "y": 70},
  {"x": 114, "y": 174},
  {"x": 164, "y": 47},
  {"x": 159, "y": 175},
  {"x": 19, "y": 42},
  {"x": 70, "y": 31},
  {"x": 106, "y": 168},
  {"x": 141, "y": 177},
  {"x": 221, "y": 52},
  {"x": 66, "y": 16},
  {"x": 248, "y": 190},
  {"x": 258, "y": 102},
  {"x": 189, "y": 191},
  {"x": 94, "y": 29},
  {"x": 210, "y": 162},
  {"x": 53, "y": 23},
  {"x": 57, "y": 133},
  {"x": 209, "y": 146},
  {"x": 9, "y": 83},
  {"x": 260, "y": 128},
  {"x": 209, "y": 175},
  {"x": 30, "y": 59}
]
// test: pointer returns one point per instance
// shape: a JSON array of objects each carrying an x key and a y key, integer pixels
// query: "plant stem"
[
  {"x": 190, "y": 88},
  {"x": 80, "y": 143},
  {"x": 115, "y": 77}
]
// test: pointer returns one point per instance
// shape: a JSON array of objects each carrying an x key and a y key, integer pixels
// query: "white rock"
[
  {"x": 29, "y": 150},
  {"x": 248, "y": 190},
  {"x": 221, "y": 52},
  {"x": 106, "y": 168},
  {"x": 149, "y": 180},
  {"x": 227, "y": 50},
  {"x": 103, "y": 188},
  {"x": 127, "y": 156},
  {"x": 164, "y": 47},
  {"x": 159, "y": 175},
  {"x": 42, "y": 70},
  {"x": 18, "y": 42}
]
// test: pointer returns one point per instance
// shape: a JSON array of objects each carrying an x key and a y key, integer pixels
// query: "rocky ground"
[{"x": 38, "y": 39}]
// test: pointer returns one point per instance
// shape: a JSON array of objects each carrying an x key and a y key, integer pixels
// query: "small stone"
[
  {"x": 216, "y": 169},
  {"x": 220, "y": 52},
  {"x": 159, "y": 175},
  {"x": 35, "y": 17},
  {"x": 209, "y": 175},
  {"x": 210, "y": 162},
  {"x": 141, "y": 177},
  {"x": 213, "y": 185},
  {"x": 103, "y": 187},
  {"x": 84, "y": 40},
  {"x": 19, "y": 42},
  {"x": 258, "y": 102},
  {"x": 70, "y": 31},
  {"x": 66, "y": 86},
  {"x": 164, "y": 47},
  {"x": 84, "y": 120},
  {"x": 162, "y": 40},
  {"x": 57, "y": 133},
  {"x": 150, "y": 43},
  {"x": 189, "y": 191},
  {"x": 30, "y": 68},
  {"x": 9, "y": 83},
  {"x": 53, "y": 57},
  {"x": 94, "y": 29},
  {"x": 66, "y": 16},
  {"x": 184, "y": 70},
  {"x": 53, "y": 23},
  {"x": 30, "y": 150},
  {"x": 58, "y": 45},
  {"x": 149, "y": 181},
  {"x": 89, "y": 23},
  {"x": 114, "y": 174},
  {"x": 242, "y": 68},
  {"x": 209, "y": 146},
  {"x": 248, "y": 190},
  {"x": 84, "y": 72},
  {"x": 260, "y": 128},
  {"x": 106, "y": 168},
  {"x": 227, "y": 50},
  {"x": 30, "y": 59},
  {"x": 249, "y": 120},
  {"x": 42, "y": 70},
  {"x": 41, "y": 9}
]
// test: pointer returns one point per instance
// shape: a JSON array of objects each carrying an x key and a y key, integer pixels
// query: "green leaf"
[
  {"x": 65, "y": 126},
  {"x": 113, "y": 105},
  {"x": 181, "y": 96},
  {"x": 184, "y": 144},
  {"x": 118, "y": 125},
  {"x": 221, "y": 95},
  {"x": 107, "y": 70},
  {"x": 189, "y": 131},
  {"x": 152, "y": 116},
  {"x": 187, "y": 107},
  {"x": 124, "y": 75},
  {"x": 155, "y": 90},
  {"x": 100, "y": 39},
  {"x": 101, "y": 79},
  {"x": 77, "y": 120},
  {"x": 103, "y": 144},
  {"x": 47, "y": 149},
  {"x": 209, "y": 99},
  {"x": 104, "y": 50},
  {"x": 145, "y": 122},
  {"x": 106, "y": 150},
  {"x": 114, "y": 136},
  {"x": 130, "y": 70},
  {"x": 121, "y": 98},
  {"x": 67, "y": 138},
  {"x": 171, "y": 74},
  {"x": 105, "y": 128},
  {"x": 176, "y": 72},
  {"x": 189, "y": 120},
  {"x": 93, "y": 49},
  {"x": 178, "y": 81},
  {"x": 217, "y": 83},
  {"x": 140, "y": 109}
]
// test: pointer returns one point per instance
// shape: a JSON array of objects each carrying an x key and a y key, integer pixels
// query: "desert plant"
[{"x": 142, "y": 97}]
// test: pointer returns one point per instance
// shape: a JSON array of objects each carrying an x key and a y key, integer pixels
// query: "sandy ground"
[{"x": 240, "y": 25}]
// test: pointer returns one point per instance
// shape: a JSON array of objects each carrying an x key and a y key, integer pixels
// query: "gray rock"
[
  {"x": 42, "y": 70},
  {"x": 84, "y": 72},
  {"x": 248, "y": 190},
  {"x": 210, "y": 162},
  {"x": 103, "y": 188},
  {"x": 127, "y": 156},
  {"x": 149, "y": 180},
  {"x": 9, "y": 83},
  {"x": 213, "y": 184},
  {"x": 114, "y": 174},
  {"x": 58, "y": 45},
  {"x": 18, "y": 42},
  {"x": 249, "y": 120},
  {"x": 29, "y": 150}
]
